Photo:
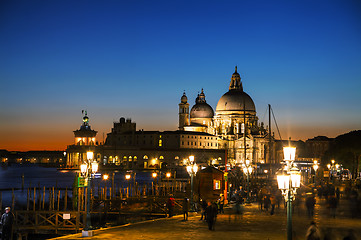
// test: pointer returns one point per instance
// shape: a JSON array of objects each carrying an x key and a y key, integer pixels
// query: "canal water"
[{"x": 22, "y": 176}]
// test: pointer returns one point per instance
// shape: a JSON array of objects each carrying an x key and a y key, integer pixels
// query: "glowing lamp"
[
  {"x": 168, "y": 174},
  {"x": 195, "y": 168},
  {"x": 289, "y": 153},
  {"x": 189, "y": 169},
  {"x": 89, "y": 155},
  {"x": 105, "y": 176},
  {"x": 283, "y": 181},
  {"x": 95, "y": 167},
  {"x": 127, "y": 176},
  {"x": 315, "y": 167},
  {"x": 154, "y": 175},
  {"x": 295, "y": 177},
  {"x": 191, "y": 159},
  {"x": 83, "y": 169}
]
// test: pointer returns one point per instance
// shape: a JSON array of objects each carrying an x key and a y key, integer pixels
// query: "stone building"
[{"x": 234, "y": 124}]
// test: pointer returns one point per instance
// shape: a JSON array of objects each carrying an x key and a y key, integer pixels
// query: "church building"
[{"x": 234, "y": 123}]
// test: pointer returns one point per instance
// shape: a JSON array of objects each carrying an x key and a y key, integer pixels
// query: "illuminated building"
[
  {"x": 234, "y": 124},
  {"x": 85, "y": 140}
]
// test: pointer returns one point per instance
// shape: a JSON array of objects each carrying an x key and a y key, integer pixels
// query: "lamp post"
[
  {"x": 315, "y": 167},
  {"x": 192, "y": 169},
  {"x": 247, "y": 169},
  {"x": 88, "y": 168},
  {"x": 289, "y": 180}
]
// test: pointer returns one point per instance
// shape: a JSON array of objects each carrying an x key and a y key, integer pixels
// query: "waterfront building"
[
  {"x": 84, "y": 141},
  {"x": 234, "y": 124},
  {"x": 232, "y": 130}
]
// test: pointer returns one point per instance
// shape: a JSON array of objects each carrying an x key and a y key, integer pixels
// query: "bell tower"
[{"x": 183, "y": 112}]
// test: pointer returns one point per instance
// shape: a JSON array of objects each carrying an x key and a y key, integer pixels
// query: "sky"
[{"x": 134, "y": 59}]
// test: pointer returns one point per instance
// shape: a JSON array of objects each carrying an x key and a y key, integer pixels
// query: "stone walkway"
[{"x": 253, "y": 224}]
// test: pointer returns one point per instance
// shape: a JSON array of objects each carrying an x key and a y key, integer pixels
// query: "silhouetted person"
[
  {"x": 221, "y": 204},
  {"x": 312, "y": 232},
  {"x": 332, "y": 204},
  {"x": 203, "y": 210},
  {"x": 310, "y": 204},
  {"x": 266, "y": 203},
  {"x": 273, "y": 203},
  {"x": 185, "y": 208},
  {"x": 211, "y": 212},
  {"x": 170, "y": 206},
  {"x": 6, "y": 222}
]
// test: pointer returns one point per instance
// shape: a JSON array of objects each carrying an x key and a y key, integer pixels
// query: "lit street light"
[
  {"x": 88, "y": 168},
  {"x": 289, "y": 180},
  {"x": 192, "y": 169},
  {"x": 315, "y": 167}
]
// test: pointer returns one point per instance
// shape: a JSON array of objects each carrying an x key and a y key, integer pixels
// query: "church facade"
[{"x": 234, "y": 123}]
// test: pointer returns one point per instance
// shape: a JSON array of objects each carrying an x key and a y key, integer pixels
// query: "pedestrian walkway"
[{"x": 252, "y": 224}]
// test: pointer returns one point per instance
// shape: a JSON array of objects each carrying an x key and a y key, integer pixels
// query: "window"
[
  {"x": 160, "y": 142},
  {"x": 145, "y": 157},
  {"x": 216, "y": 184}
]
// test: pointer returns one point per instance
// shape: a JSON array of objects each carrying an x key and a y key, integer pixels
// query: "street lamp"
[
  {"x": 315, "y": 167},
  {"x": 88, "y": 168},
  {"x": 192, "y": 169},
  {"x": 247, "y": 169},
  {"x": 289, "y": 180}
]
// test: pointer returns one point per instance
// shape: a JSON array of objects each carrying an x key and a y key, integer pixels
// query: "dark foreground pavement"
[{"x": 253, "y": 224}]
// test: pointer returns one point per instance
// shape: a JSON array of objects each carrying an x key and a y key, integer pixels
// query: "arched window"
[
  {"x": 161, "y": 157},
  {"x": 145, "y": 157}
]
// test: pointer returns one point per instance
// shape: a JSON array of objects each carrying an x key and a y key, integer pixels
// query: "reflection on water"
[{"x": 17, "y": 176}]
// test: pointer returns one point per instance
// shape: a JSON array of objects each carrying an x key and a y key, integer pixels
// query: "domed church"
[{"x": 234, "y": 123}]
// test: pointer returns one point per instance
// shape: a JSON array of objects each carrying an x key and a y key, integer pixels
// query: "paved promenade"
[{"x": 253, "y": 224}]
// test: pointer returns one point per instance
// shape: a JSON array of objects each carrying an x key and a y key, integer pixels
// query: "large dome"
[{"x": 235, "y": 100}]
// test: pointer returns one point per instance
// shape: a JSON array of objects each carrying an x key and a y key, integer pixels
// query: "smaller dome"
[
  {"x": 201, "y": 109},
  {"x": 184, "y": 98}
]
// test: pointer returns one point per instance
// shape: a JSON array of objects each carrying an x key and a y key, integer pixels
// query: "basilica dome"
[
  {"x": 235, "y": 99},
  {"x": 201, "y": 109}
]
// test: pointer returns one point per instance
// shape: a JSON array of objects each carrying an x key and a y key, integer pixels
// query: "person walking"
[
  {"x": 221, "y": 204},
  {"x": 170, "y": 206},
  {"x": 312, "y": 232},
  {"x": 211, "y": 213},
  {"x": 203, "y": 210},
  {"x": 185, "y": 209},
  {"x": 273, "y": 203},
  {"x": 266, "y": 202},
  {"x": 332, "y": 204},
  {"x": 310, "y": 205},
  {"x": 6, "y": 222}
]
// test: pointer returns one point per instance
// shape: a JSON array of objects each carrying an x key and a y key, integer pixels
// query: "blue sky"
[{"x": 135, "y": 58}]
